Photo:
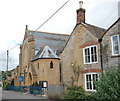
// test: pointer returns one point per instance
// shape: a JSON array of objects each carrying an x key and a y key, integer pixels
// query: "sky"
[{"x": 16, "y": 14}]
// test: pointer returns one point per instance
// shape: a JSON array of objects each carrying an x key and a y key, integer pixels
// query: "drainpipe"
[{"x": 101, "y": 49}]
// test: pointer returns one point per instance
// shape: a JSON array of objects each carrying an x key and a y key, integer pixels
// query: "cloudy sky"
[{"x": 15, "y": 14}]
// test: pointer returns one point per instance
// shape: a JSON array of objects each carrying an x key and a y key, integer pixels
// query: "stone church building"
[{"x": 60, "y": 59}]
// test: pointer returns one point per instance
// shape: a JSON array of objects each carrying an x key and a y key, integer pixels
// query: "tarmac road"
[
  {"x": 0, "y": 93},
  {"x": 17, "y": 95}
]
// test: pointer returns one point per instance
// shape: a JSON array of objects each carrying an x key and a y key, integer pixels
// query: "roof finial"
[{"x": 81, "y": 4}]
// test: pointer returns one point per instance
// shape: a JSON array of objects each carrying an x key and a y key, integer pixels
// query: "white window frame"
[
  {"x": 118, "y": 36},
  {"x": 91, "y": 81},
  {"x": 90, "y": 54}
]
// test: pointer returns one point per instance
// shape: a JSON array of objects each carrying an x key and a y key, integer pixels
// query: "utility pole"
[{"x": 7, "y": 63}]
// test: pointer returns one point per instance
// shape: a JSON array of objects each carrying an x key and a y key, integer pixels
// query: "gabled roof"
[
  {"x": 55, "y": 41},
  {"x": 46, "y": 52},
  {"x": 96, "y": 31},
  {"x": 118, "y": 24}
]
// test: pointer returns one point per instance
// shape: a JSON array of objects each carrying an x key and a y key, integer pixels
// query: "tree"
[
  {"x": 9, "y": 73},
  {"x": 3, "y": 75},
  {"x": 108, "y": 86}
]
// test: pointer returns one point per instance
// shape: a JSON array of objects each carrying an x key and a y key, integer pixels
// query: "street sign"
[{"x": 20, "y": 78}]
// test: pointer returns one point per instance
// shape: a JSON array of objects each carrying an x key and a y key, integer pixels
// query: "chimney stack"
[{"x": 80, "y": 13}]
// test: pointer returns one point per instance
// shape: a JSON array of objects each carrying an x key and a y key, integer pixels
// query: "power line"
[
  {"x": 14, "y": 46},
  {"x": 52, "y": 15},
  {"x": 45, "y": 23},
  {"x": 2, "y": 53},
  {"x": 41, "y": 24}
]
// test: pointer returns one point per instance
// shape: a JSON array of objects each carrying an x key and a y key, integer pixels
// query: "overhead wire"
[{"x": 41, "y": 24}]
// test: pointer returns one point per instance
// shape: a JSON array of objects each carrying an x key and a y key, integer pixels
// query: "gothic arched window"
[{"x": 51, "y": 65}]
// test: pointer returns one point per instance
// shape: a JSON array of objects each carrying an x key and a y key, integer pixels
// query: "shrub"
[
  {"x": 35, "y": 84},
  {"x": 108, "y": 86},
  {"x": 75, "y": 92}
]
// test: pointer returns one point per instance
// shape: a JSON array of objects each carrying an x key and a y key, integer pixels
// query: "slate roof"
[
  {"x": 97, "y": 31},
  {"x": 55, "y": 41}
]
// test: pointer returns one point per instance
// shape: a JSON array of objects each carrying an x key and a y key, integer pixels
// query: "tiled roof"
[
  {"x": 97, "y": 31},
  {"x": 55, "y": 41}
]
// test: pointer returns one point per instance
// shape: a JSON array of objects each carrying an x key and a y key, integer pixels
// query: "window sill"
[
  {"x": 91, "y": 63},
  {"x": 115, "y": 56},
  {"x": 90, "y": 90}
]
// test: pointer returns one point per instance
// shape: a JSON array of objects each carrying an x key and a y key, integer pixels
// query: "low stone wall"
[{"x": 55, "y": 91}]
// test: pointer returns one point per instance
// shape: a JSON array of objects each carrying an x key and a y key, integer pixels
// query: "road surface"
[
  {"x": 17, "y": 95},
  {"x": 0, "y": 93}
]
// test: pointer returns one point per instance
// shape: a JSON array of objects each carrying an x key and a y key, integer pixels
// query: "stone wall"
[
  {"x": 55, "y": 91},
  {"x": 110, "y": 60},
  {"x": 45, "y": 73},
  {"x": 73, "y": 53}
]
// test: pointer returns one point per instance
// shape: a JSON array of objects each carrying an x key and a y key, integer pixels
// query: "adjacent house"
[
  {"x": 111, "y": 46},
  {"x": 80, "y": 59}
]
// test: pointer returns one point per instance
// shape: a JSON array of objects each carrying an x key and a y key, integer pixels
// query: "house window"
[
  {"x": 89, "y": 81},
  {"x": 116, "y": 44},
  {"x": 51, "y": 65},
  {"x": 90, "y": 54}
]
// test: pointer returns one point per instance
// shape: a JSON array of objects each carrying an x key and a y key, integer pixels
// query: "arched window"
[
  {"x": 38, "y": 65},
  {"x": 51, "y": 65}
]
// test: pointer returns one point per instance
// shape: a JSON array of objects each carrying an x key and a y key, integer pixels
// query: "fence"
[{"x": 27, "y": 89}]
